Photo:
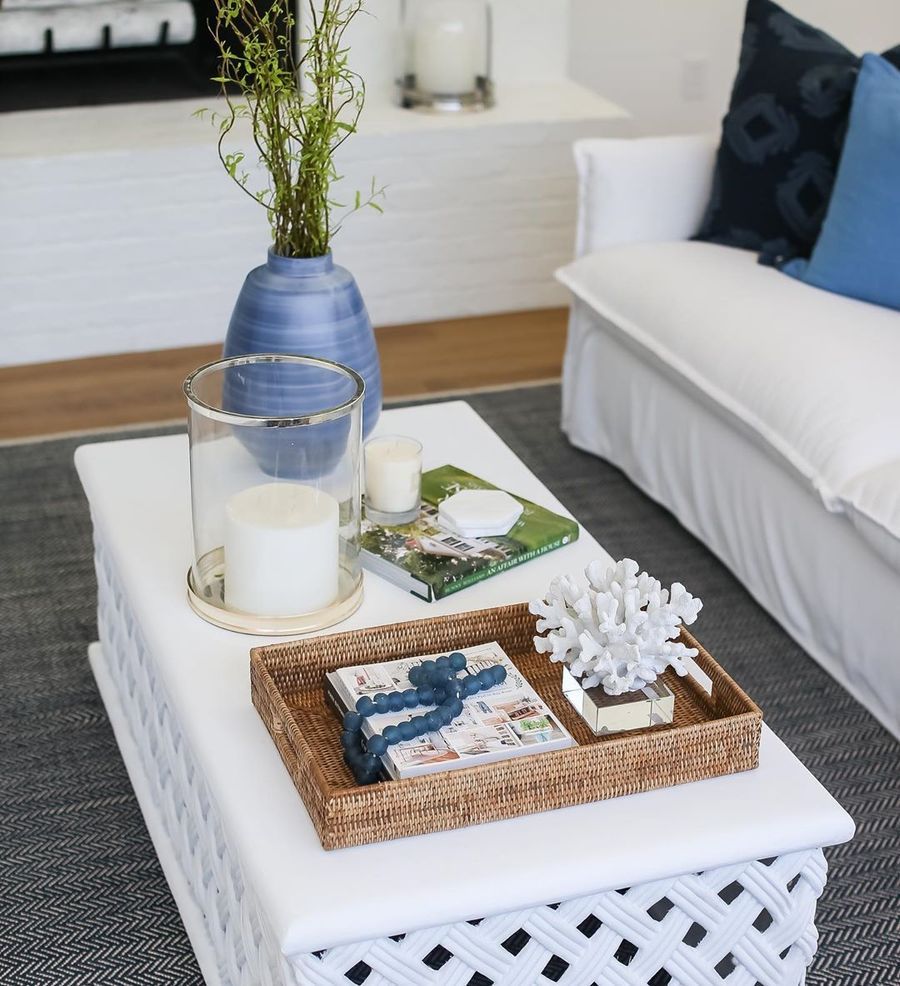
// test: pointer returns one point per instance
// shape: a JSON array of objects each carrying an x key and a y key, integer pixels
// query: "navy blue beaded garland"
[{"x": 434, "y": 683}]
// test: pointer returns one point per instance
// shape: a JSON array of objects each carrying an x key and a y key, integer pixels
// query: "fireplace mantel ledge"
[
  {"x": 91, "y": 129},
  {"x": 122, "y": 233}
]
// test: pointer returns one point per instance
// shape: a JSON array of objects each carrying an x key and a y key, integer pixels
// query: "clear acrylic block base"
[{"x": 654, "y": 705}]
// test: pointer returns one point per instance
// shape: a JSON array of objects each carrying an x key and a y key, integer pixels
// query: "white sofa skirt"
[{"x": 807, "y": 567}]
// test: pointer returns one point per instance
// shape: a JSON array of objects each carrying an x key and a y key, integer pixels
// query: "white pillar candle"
[
  {"x": 448, "y": 49},
  {"x": 393, "y": 474},
  {"x": 281, "y": 550}
]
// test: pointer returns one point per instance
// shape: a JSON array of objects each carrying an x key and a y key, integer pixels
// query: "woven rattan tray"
[{"x": 711, "y": 735}]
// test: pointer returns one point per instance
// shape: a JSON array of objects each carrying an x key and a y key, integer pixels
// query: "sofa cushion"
[
  {"x": 872, "y": 501},
  {"x": 858, "y": 249},
  {"x": 811, "y": 375},
  {"x": 782, "y": 134}
]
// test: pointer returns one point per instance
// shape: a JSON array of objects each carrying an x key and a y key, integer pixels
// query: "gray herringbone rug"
[{"x": 82, "y": 899}]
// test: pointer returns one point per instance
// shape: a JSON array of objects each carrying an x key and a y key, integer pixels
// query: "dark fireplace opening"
[{"x": 57, "y": 53}]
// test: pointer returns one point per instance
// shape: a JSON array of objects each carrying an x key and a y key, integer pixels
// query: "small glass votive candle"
[
  {"x": 275, "y": 445},
  {"x": 393, "y": 466}
]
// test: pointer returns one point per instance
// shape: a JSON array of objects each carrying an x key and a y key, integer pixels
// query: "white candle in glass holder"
[
  {"x": 393, "y": 474},
  {"x": 448, "y": 48},
  {"x": 282, "y": 550}
]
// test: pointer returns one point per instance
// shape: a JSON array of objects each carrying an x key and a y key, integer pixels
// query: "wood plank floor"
[{"x": 417, "y": 361}]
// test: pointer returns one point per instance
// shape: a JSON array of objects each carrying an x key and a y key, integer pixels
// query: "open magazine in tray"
[{"x": 508, "y": 720}]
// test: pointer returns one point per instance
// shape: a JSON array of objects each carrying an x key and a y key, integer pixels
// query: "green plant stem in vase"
[
  {"x": 301, "y": 108},
  {"x": 290, "y": 89}
]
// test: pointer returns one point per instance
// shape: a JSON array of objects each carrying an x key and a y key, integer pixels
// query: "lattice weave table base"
[
  {"x": 741, "y": 925},
  {"x": 744, "y": 924}
]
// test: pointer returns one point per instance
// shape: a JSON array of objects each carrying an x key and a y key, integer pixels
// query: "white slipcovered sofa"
[{"x": 764, "y": 413}]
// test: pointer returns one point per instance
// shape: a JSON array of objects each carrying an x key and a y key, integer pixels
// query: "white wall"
[
  {"x": 119, "y": 231},
  {"x": 671, "y": 62}
]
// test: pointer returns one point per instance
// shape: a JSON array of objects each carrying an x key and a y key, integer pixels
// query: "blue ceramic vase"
[{"x": 305, "y": 307}]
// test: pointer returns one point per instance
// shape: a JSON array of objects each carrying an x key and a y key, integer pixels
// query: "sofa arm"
[{"x": 649, "y": 188}]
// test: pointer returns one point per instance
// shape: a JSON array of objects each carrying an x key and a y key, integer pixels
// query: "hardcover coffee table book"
[
  {"x": 431, "y": 562},
  {"x": 510, "y": 720}
]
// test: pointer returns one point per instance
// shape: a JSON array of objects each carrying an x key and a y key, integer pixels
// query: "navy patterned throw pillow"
[{"x": 782, "y": 135}]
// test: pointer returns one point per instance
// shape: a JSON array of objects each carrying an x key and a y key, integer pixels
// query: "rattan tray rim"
[{"x": 331, "y": 804}]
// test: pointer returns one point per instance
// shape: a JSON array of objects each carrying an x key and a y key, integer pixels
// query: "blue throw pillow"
[
  {"x": 782, "y": 135},
  {"x": 858, "y": 250}
]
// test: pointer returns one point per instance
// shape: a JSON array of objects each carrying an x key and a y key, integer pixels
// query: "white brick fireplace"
[{"x": 121, "y": 233}]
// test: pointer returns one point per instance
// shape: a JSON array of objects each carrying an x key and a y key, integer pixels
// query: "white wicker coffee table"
[{"x": 722, "y": 875}]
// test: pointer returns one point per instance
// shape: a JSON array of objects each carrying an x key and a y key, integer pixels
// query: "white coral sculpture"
[{"x": 619, "y": 631}]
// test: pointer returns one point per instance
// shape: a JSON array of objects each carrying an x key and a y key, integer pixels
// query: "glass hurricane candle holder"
[
  {"x": 446, "y": 54},
  {"x": 275, "y": 498}
]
